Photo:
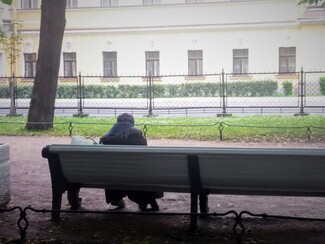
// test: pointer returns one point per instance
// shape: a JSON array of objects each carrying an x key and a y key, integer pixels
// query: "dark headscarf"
[
  {"x": 124, "y": 132},
  {"x": 126, "y": 117}
]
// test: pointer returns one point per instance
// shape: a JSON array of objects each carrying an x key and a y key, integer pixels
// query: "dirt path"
[{"x": 31, "y": 186}]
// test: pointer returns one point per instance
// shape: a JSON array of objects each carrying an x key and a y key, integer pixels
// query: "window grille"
[
  {"x": 29, "y": 4},
  {"x": 240, "y": 61},
  {"x": 70, "y": 64},
  {"x": 110, "y": 63},
  {"x": 151, "y": 2},
  {"x": 195, "y": 62},
  {"x": 30, "y": 64},
  {"x": 287, "y": 59},
  {"x": 152, "y": 63}
]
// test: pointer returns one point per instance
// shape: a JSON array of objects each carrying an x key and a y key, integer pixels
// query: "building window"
[
  {"x": 110, "y": 63},
  {"x": 195, "y": 62},
  {"x": 151, "y": 2},
  {"x": 194, "y": 1},
  {"x": 72, "y": 3},
  {"x": 107, "y": 3},
  {"x": 316, "y": 3},
  {"x": 70, "y": 64},
  {"x": 240, "y": 61},
  {"x": 28, "y": 4},
  {"x": 152, "y": 63},
  {"x": 287, "y": 59},
  {"x": 30, "y": 64},
  {"x": 1, "y": 66},
  {"x": 7, "y": 26}
]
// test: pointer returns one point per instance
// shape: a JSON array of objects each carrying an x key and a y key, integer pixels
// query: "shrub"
[
  {"x": 322, "y": 85},
  {"x": 252, "y": 88},
  {"x": 4, "y": 91},
  {"x": 24, "y": 91},
  {"x": 67, "y": 91},
  {"x": 287, "y": 88},
  {"x": 199, "y": 89}
]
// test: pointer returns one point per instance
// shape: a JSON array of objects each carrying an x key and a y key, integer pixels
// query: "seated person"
[{"x": 125, "y": 133}]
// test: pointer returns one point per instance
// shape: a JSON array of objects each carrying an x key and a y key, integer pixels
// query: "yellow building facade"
[{"x": 112, "y": 38}]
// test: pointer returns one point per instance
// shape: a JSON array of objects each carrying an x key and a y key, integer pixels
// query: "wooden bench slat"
[
  {"x": 186, "y": 150},
  {"x": 246, "y": 171}
]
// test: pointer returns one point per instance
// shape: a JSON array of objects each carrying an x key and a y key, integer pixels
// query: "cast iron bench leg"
[
  {"x": 194, "y": 208},
  {"x": 56, "y": 204},
  {"x": 73, "y": 197}
]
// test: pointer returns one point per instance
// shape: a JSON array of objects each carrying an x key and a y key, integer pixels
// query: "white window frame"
[
  {"x": 194, "y": 1},
  {"x": 287, "y": 59},
  {"x": 151, "y": 2},
  {"x": 1, "y": 66},
  {"x": 240, "y": 61},
  {"x": 152, "y": 63},
  {"x": 29, "y": 4},
  {"x": 70, "y": 64},
  {"x": 7, "y": 27},
  {"x": 109, "y": 3},
  {"x": 30, "y": 60},
  {"x": 110, "y": 64},
  {"x": 72, "y": 3},
  {"x": 195, "y": 62}
]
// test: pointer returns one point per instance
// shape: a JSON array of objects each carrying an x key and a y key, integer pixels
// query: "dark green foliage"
[
  {"x": 66, "y": 91},
  {"x": 94, "y": 91},
  {"x": 322, "y": 85},
  {"x": 244, "y": 89},
  {"x": 24, "y": 91},
  {"x": 8, "y": 2},
  {"x": 159, "y": 90},
  {"x": 252, "y": 88},
  {"x": 287, "y": 88},
  {"x": 316, "y": 2},
  {"x": 4, "y": 91}
]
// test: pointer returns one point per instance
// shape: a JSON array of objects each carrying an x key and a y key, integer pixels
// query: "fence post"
[
  {"x": 150, "y": 95},
  {"x": 302, "y": 93},
  {"x": 13, "y": 93},
  {"x": 80, "y": 97},
  {"x": 223, "y": 93}
]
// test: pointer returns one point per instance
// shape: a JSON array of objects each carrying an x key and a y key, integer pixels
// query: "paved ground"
[{"x": 31, "y": 186}]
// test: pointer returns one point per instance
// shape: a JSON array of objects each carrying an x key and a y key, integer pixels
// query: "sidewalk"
[{"x": 31, "y": 186}]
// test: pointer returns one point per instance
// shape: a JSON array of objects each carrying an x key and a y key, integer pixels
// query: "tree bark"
[{"x": 42, "y": 104}]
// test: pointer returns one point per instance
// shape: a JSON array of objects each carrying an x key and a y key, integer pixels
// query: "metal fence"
[
  {"x": 221, "y": 94},
  {"x": 239, "y": 229}
]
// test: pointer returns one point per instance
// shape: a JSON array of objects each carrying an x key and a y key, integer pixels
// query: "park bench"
[{"x": 194, "y": 170}]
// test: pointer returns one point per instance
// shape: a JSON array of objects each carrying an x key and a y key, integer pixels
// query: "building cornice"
[{"x": 206, "y": 27}]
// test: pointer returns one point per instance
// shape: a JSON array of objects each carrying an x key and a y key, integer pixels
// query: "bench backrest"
[{"x": 221, "y": 170}]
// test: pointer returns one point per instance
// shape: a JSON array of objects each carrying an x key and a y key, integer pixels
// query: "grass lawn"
[{"x": 248, "y": 128}]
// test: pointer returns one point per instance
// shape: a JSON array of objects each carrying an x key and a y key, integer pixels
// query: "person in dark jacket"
[{"x": 125, "y": 133}]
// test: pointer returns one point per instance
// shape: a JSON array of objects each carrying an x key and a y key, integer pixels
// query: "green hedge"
[
  {"x": 287, "y": 88},
  {"x": 4, "y": 91},
  {"x": 322, "y": 85},
  {"x": 252, "y": 88},
  {"x": 245, "y": 89}
]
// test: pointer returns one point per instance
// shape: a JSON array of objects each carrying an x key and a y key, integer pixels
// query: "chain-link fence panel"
[
  {"x": 4, "y": 93},
  {"x": 15, "y": 93},
  {"x": 260, "y": 90},
  {"x": 175, "y": 94},
  {"x": 186, "y": 92},
  {"x": 67, "y": 94},
  {"x": 315, "y": 89},
  {"x": 24, "y": 87},
  {"x": 123, "y": 92}
]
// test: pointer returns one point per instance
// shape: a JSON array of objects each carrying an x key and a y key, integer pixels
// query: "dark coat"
[{"x": 124, "y": 133}]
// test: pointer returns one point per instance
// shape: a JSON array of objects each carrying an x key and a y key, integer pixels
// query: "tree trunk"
[{"x": 42, "y": 104}]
